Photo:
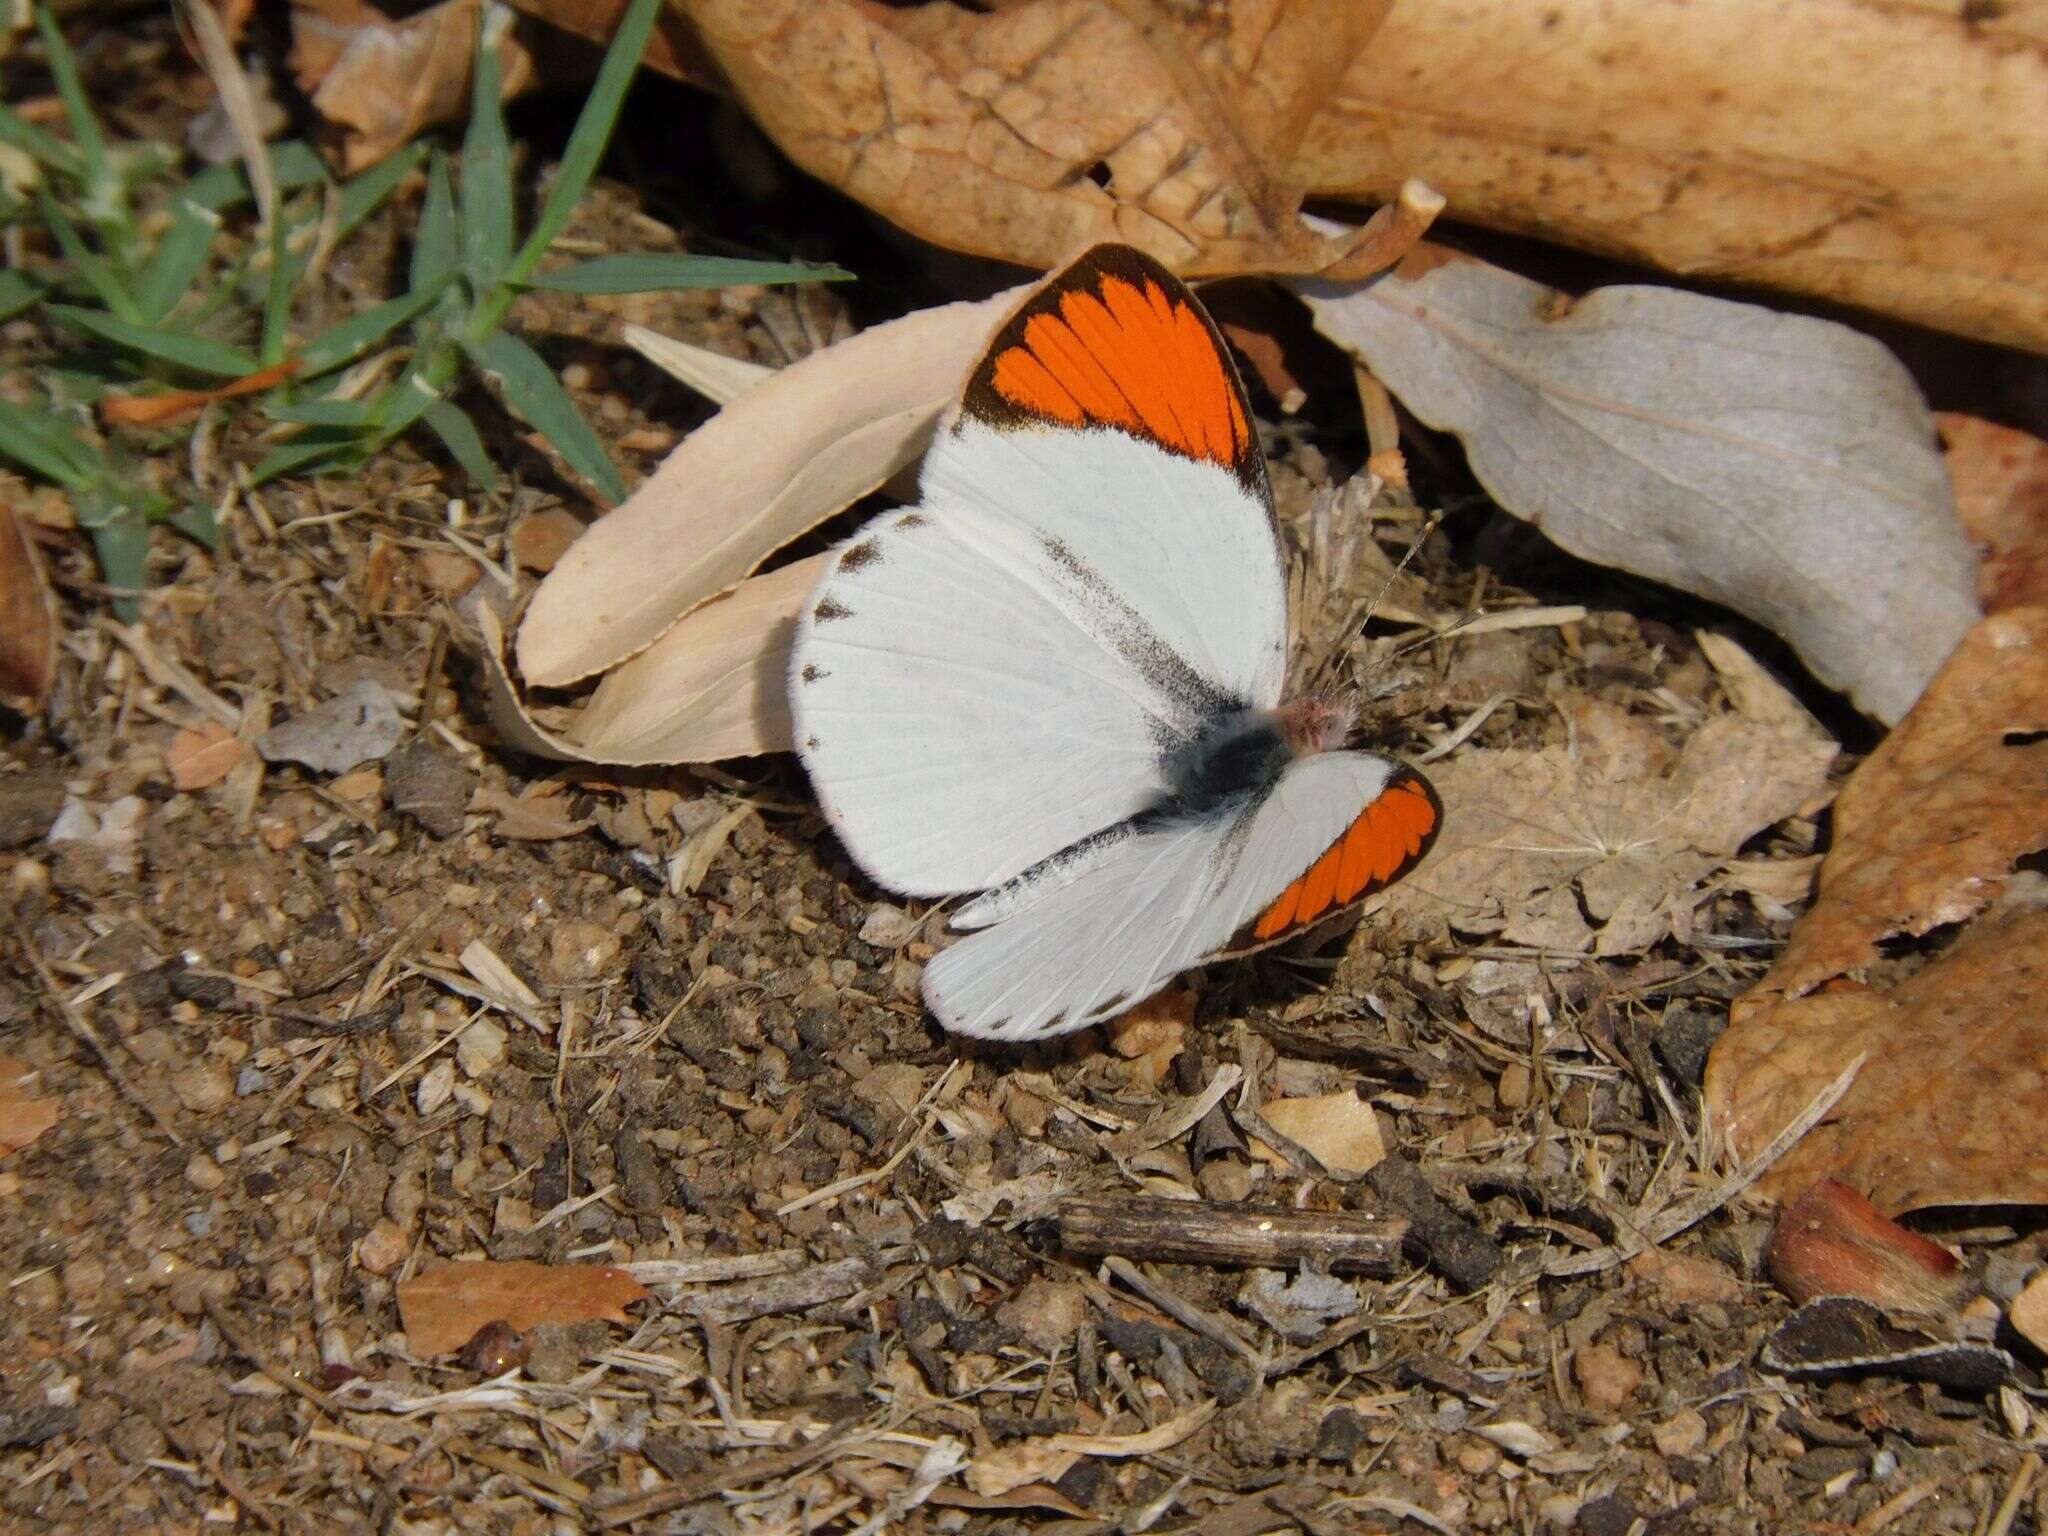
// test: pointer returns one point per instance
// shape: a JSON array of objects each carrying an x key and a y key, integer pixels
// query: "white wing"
[
  {"x": 998, "y": 673},
  {"x": 1148, "y": 907}
]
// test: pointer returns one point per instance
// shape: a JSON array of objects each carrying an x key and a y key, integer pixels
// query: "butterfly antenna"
[{"x": 1363, "y": 614}]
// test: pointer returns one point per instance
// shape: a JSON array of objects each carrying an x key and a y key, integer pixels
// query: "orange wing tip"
[
  {"x": 1384, "y": 841},
  {"x": 1117, "y": 341}
]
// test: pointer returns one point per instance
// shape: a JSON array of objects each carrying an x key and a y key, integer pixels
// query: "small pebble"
[
  {"x": 383, "y": 1248},
  {"x": 204, "y": 1088},
  {"x": 204, "y": 1174}
]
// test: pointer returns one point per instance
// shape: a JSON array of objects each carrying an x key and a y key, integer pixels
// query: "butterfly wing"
[
  {"x": 1091, "y": 577},
  {"x": 1161, "y": 898}
]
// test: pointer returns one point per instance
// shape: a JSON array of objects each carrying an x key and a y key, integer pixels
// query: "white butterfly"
[{"x": 1056, "y": 681}]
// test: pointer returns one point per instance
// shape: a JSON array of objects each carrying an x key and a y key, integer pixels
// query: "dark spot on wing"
[
  {"x": 812, "y": 672},
  {"x": 1055, "y": 1022},
  {"x": 860, "y": 555},
  {"x": 830, "y": 608},
  {"x": 912, "y": 520}
]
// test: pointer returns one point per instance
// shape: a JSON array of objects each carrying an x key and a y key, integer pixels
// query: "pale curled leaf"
[
  {"x": 717, "y": 377},
  {"x": 789, "y": 453},
  {"x": 714, "y": 686},
  {"x": 1777, "y": 464}
]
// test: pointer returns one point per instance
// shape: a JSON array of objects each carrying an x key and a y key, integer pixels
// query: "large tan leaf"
[
  {"x": 1783, "y": 466},
  {"x": 1949, "y": 1105},
  {"x": 2001, "y": 482},
  {"x": 1033, "y": 131},
  {"x": 1893, "y": 156},
  {"x": 797, "y": 448},
  {"x": 1931, "y": 826},
  {"x": 715, "y": 686}
]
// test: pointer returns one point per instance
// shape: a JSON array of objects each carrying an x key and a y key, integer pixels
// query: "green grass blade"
[
  {"x": 647, "y": 272},
  {"x": 434, "y": 255},
  {"x": 197, "y": 523},
  {"x": 85, "y": 128},
  {"x": 199, "y": 354},
  {"x": 174, "y": 265},
  {"x": 350, "y": 339},
  {"x": 311, "y": 453},
  {"x": 531, "y": 389},
  {"x": 39, "y": 441},
  {"x": 351, "y": 415},
  {"x": 363, "y": 195},
  {"x": 17, "y": 292},
  {"x": 121, "y": 541},
  {"x": 591, "y": 136},
  {"x": 41, "y": 145},
  {"x": 465, "y": 445},
  {"x": 486, "y": 169},
  {"x": 93, "y": 269}
]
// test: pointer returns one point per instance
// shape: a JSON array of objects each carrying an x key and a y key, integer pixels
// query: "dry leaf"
[
  {"x": 1005, "y": 1468},
  {"x": 2000, "y": 477},
  {"x": 715, "y": 686},
  {"x": 1036, "y": 130},
  {"x": 1339, "y": 1130},
  {"x": 1948, "y": 1107},
  {"x": 28, "y": 620},
  {"x": 380, "y": 80},
  {"x": 799, "y": 447},
  {"x": 346, "y": 731},
  {"x": 1780, "y": 465},
  {"x": 540, "y": 815},
  {"x": 1600, "y": 843},
  {"x": 1928, "y": 828},
  {"x": 442, "y": 1308},
  {"x": 1160, "y": 1023},
  {"x": 23, "y": 1117},
  {"x": 169, "y": 407},
  {"x": 202, "y": 758}
]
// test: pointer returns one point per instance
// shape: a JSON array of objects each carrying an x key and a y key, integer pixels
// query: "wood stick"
[{"x": 1252, "y": 1236}]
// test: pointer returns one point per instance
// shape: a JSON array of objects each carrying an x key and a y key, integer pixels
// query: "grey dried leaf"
[
  {"x": 351, "y": 729},
  {"x": 1781, "y": 465}
]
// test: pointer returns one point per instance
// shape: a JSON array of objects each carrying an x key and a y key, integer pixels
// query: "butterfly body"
[{"x": 1056, "y": 682}]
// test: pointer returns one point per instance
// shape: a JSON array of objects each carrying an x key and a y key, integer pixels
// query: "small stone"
[
  {"x": 1513, "y": 1090},
  {"x": 1476, "y": 1458},
  {"x": 495, "y": 1349},
  {"x": 1606, "y": 1376},
  {"x": 541, "y": 538},
  {"x": 204, "y": 1088},
  {"x": 250, "y": 1080},
  {"x": 1683, "y": 1434},
  {"x": 1340, "y": 1436},
  {"x": 1682, "y": 1280},
  {"x": 582, "y": 951},
  {"x": 479, "y": 1048},
  {"x": 204, "y": 1174},
  {"x": 29, "y": 803},
  {"x": 445, "y": 572},
  {"x": 436, "y": 1086},
  {"x": 429, "y": 783},
  {"x": 1048, "y": 1313},
  {"x": 383, "y": 1248},
  {"x": 286, "y": 1280}
]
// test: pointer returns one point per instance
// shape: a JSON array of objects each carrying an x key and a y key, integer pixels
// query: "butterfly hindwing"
[{"x": 1175, "y": 893}]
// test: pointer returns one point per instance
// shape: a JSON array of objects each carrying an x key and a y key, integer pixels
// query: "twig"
[
  {"x": 79, "y": 1027},
  {"x": 874, "y": 1176},
  {"x": 2009, "y": 1506},
  {"x": 1209, "y": 1324},
  {"x": 1252, "y": 1236},
  {"x": 246, "y": 1348},
  {"x": 721, "y": 1478}
]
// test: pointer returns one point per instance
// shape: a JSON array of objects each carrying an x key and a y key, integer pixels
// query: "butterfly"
[{"x": 1055, "y": 683}]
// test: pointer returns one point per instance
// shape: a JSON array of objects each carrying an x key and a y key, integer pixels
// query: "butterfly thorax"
[{"x": 1243, "y": 752}]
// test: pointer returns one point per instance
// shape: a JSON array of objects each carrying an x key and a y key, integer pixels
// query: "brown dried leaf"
[
  {"x": 1947, "y": 1109},
  {"x": 799, "y": 447},
  {"x": 1781, "y": 465},
  {"x": 28, "y": 620},
  {"x": 2029, "y": 1312},
  {"x": 443, "y": 1308},
  {"x": 538, "y": 816},
  {"x": 2001, "y": 485},
  {"x": 1033, "y": 131},
  {"x": 202, "y": 758},
  {"x": 381, "y": 80},
  {"x": 1617, "y": 825},
  {"x": 1339, "y": 1130},
  {"x": 23, "y": 1117},
  {"x": 1833, "y": 1242},
  {"x": 1929, "y": 827},
  {"x": 1004, "y": 1469}
]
